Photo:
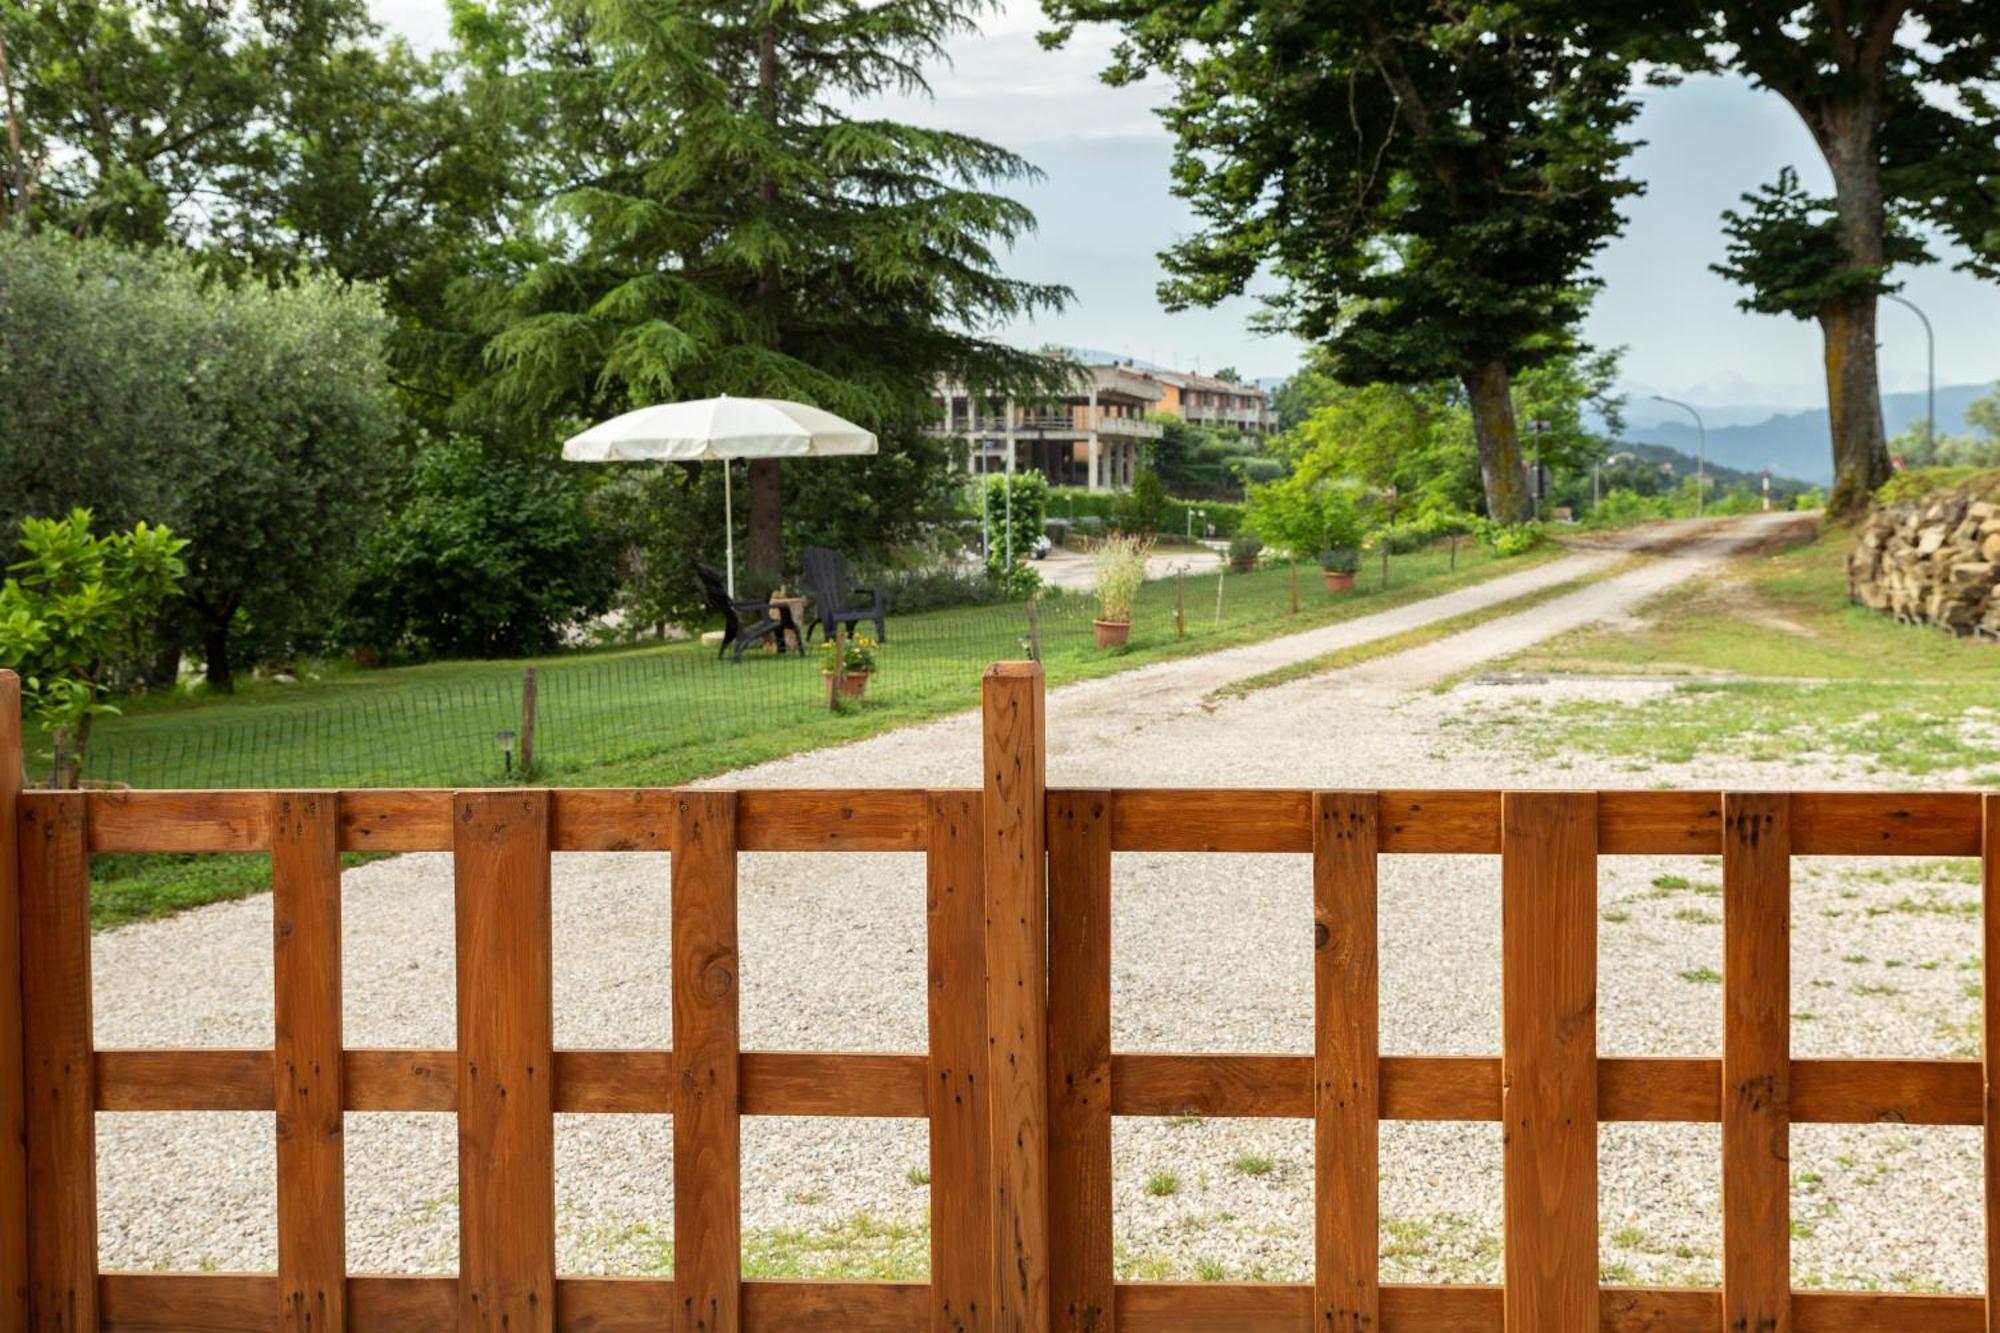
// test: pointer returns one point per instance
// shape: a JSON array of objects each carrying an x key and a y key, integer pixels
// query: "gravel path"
[{"x": 833, "y": 959}]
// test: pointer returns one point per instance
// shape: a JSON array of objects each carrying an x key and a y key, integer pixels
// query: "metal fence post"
[
  {"x": 13, "y": 1067},
  {"x": 1015, "y": 874}
]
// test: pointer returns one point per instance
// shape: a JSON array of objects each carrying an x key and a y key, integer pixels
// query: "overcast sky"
[{"x": 1106, "y": 211}]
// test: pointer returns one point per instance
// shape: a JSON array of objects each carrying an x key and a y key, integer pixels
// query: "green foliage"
[
  {"x": 1786, "y": 247},
  {"x": 1916, "y": 483},
  {"x": 1244, "y": 546},
  {"x": 77, "y": 612},
  {"x": 1199, "y": 460},
  {"x": 1512, "y": 539},
  {"x": 1224, "y": 516},
  {"x": 1143, "y": 508},
  {"x": 735, "y": 223},
  {"x": 481, "y": 558},
  {"x": 1622, "y": 507},
  {"x": 1028, "y": 511},
  {"x": 1340, "y": 560},
  {"x": 1428, "y": 181},
  {"x": 1306, "y": 514},
  {"x": 851, "y": 652},
  {"x": 1980, "y": 447},
  {"x": 259, "y": 424}
]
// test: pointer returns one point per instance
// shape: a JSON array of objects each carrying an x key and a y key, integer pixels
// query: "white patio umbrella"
[{"x": 719, "y": 429}]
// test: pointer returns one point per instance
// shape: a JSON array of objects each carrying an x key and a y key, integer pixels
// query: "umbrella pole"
[{"x": 729, "y": 529}]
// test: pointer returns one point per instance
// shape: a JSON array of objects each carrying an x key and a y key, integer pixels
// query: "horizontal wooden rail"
[
  {"x": 581, "y": 819},
  {"x": 892, "y": 1085},
  {"x": 631, "y": 1082},
  {"x": 1630, "y": 823},
  {"x": 1834, "y": 1092},
  {"x": 233, "y": 1303}
]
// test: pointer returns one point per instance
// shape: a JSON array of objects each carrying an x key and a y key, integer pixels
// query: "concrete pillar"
[{"x": 1095, "y": 484}]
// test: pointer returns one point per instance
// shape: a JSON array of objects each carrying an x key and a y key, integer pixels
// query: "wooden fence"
[{"x": 1019, "y": 1083}]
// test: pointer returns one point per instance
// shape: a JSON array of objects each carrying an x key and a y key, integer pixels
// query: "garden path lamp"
[{"x": 720, "y": 430}]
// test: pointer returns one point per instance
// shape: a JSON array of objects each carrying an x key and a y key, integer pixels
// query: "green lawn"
[
  {"x": 660, "y": 715},
  {"x": 1778, "y": 666}
]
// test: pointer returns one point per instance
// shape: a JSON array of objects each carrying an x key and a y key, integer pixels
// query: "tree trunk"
[
  {"x": 1499, "y": 441},
  {"x": 764, "y": 552},
  {"x": 215, "y": 652},
  {"x": 1854, "y": 403},
  {"x": 1847, "y": 136}
]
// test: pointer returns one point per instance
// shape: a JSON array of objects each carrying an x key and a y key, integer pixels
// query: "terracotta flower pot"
[
  {"x": 1336, "y": 581},
  {"x": 1111, "y": 633},
  {"x": 1243, "y": 564},
  {"x": 850, "y": 686}
]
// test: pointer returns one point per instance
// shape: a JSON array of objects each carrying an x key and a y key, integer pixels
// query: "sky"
[{"x": 1105, "y": 212}]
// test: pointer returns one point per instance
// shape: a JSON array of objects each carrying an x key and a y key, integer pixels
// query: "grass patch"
[
  {"x": 1254, "y": 1164},
  {"x": 1163, "y": 1184},
  {"x": 654, "y": 715},
  {"x": 1775, "y": 666}
]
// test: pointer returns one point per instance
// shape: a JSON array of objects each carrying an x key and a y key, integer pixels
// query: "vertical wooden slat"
[
  {"x": 506, "y": 1040},
  {"x": 1756, "y": 1062},
  {"x": 1013, "y": 806},
  {"x": 1081, "y": 1275},
  {"x": 312, "y": 1206},
  {"x": 61, "y": 1101},
  {"x": 1346, "y": 1071},
  {"x": 1548, "y": 1059},
  {"x": 961, "y": 1171},
  {"x": 1990, "y": 1045},
  {"x": 13, "y": 1069},
  {"x": 708, "y": 1147}
]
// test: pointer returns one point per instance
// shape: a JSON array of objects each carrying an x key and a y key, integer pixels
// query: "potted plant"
[
  {"x": 848, "y": 663},
  {"x": 1120, "y": 563},
  {"x": 1339, "y": 565},
  {"x": 1243, "y": 552}
]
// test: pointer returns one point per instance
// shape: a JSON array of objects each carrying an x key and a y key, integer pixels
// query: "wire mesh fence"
[{"x": 647, "y": 713}]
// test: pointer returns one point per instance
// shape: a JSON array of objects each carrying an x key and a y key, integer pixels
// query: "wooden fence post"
[
  {"x": 528, "y": 723},
  {"x": 708, "y": 1146},
  {"x": 61, "y": 1069},
  {"x": 1014, "y": 809},
  {"x": 1990, "y": 1042},
  {"x": 1756, "y": 1061},
  {"x": 13, "y": 1069},
  {"x": 1081, "y": 1285},
  {"x": 961, "y": 1159},
  {"x": 306, "y": 1059},
  {"x": 1548, "y": 1059},
  {"x": 506, "y": 1062},
  {"x": 1347, "y": 1090}
]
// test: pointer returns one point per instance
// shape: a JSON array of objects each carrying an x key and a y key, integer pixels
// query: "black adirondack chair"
[
  {"x": 745, "y": 622},
  {"x": 835, "y": 599}
]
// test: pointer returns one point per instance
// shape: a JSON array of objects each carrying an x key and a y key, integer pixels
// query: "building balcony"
[{"x": 1075, "y": 425}]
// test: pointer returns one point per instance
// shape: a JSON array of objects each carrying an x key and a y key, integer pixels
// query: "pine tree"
[{"x": 730, "y": 221}]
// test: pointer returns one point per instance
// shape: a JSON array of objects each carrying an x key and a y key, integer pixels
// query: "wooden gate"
[{"x": 1019, "y": 1082}]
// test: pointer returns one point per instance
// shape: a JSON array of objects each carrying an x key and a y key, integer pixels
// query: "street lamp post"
[
  {"x": 1701, "y": 450},
  {"x": 1930, "y": 374}
]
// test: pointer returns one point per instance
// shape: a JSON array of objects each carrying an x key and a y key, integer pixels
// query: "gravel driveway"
[{"x": 832, "y": 958}]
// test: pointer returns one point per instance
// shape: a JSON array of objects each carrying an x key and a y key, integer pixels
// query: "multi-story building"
[
  {"x": 1088, "y": 437},
  {"x": 1205, "y": 400}
]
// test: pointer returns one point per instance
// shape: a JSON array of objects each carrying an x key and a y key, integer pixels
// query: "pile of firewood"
[{"x": 1932, "y": 561}]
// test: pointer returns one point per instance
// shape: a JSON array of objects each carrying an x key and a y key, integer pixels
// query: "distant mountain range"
[{"x": 1791, "y": 444}]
